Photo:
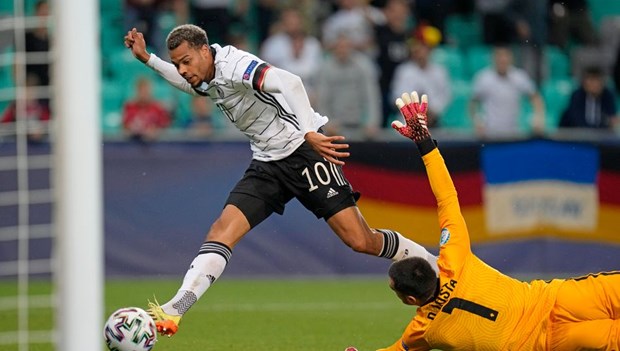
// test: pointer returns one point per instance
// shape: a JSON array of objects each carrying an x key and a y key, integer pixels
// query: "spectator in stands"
[
  {"x": 499, "y": 90},
  {"x": 316, "y": 13},
  {"x": 266, "y": 14},
  {"x": 498, "y": 22},
  {"x": 144, "y": 118},
  {"x": 291, "y": 49},
  {"x": 433, "y": 12},
  {"x": 592, "y": 104},
  {"x": 37, "y": 41},
  {"x": 356, "y": 18},
  {"x": 348, "y": 92},
  {"x": 145, "y": 15},
  {"x": 392, "y": 50},
  {"x": 422, "y": 75},
  {"x": 200, "y": 124},
  {"x": 532, "y": 32},
  {"x": 37, "y": 114},
  {"x": 218, "y": 16},
  {"x": 571, "y": 20}
]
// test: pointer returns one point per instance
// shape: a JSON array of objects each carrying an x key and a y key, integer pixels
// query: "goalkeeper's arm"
[{"x": 449, "y": 211}]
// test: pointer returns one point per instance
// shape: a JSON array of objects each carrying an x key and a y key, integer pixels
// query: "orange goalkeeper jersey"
[{"x": 477, "y": 307}]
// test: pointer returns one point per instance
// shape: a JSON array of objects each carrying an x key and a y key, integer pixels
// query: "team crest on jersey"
[
  {"x": 445, "y": 236},
  {"x": 251, "y": 66}
]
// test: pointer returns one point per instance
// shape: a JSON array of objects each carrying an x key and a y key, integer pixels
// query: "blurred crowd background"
[{"x": 492, "y": 68}]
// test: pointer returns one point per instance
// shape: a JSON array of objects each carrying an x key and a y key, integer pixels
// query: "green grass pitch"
[{"x": 261, "y": 314}]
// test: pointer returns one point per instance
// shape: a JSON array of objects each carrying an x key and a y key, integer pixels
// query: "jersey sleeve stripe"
[{"x": 259, "y": 76}]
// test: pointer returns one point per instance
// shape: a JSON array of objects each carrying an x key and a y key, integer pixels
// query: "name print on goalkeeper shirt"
[{"x": 444, "y": 295}]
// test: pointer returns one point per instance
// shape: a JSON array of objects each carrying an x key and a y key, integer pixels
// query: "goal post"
[{"x": 77, "y": 177}]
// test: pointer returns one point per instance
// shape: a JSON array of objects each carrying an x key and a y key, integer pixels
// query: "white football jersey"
[{"x": 265, "y": 118}]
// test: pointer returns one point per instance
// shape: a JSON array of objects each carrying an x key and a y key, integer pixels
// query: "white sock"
[
  {"x": 202, "y": 273},
  {"x": 397, "y": 247}
]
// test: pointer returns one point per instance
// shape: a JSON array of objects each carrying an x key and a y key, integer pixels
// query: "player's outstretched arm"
[
  {"x": 414, "y": 112},
  {"x": 135, "y": 42}
]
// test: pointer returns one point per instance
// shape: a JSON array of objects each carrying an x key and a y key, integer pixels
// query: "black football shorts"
[{"x": 266, "y": 187}]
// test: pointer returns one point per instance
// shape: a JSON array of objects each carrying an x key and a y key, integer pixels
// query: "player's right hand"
[
  {"x": 134, "y": 41},
  {"x": 414, "y": 113}
]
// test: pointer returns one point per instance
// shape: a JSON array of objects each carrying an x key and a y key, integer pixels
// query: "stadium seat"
[
  {"x": 6, "y": 68},
  {"x": 123, "y": 67},
  {"x": 600, "y": 9},
  {"x": 557, "y": 62},
  {"x": 112, "y": 98},
  {"x": 456, "y": 114},
  {"x": 463, "y": 30},
  {"x": 556, "y": 94},
  {"x": 452, "y": 59},
  {"x": 478, "y": 57},
  {"x": 112, "y": 35},
  {"x": 6, "y": 8},
  {"x": 111, "y": 6}
]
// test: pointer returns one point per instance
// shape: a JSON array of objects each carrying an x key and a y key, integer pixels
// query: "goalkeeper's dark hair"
[
  {"x": 195, "y": 36},
  {"x": 415, "y": 277}
]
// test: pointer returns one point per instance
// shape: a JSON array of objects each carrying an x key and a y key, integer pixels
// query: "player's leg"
[
  {"x": 600, "y": 334},
  {"x": 205, "y": 268},
  {"x": 211, "y": 259},
  {"x": 322, "y": 188},
  {"x": 352, "y": 229},
  {"x": 587, "y": 313},
  {"x": 245, "y": 208}
]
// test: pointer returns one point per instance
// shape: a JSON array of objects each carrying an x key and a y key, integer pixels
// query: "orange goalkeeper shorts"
[{"x": 586, "y": 314}]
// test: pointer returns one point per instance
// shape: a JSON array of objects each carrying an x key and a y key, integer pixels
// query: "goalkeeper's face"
[{"x": 194, "y": 64}]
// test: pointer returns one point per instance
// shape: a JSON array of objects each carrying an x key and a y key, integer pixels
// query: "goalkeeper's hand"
[{"x": 414, "y": 112}]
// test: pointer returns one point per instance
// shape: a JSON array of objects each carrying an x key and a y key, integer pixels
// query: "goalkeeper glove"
[
  {"x": 414, "y": 113},
  {"x": 416, "y": 127}
]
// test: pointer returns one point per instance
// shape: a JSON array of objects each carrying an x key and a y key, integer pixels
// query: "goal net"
[{"x": 51, "y": 270}]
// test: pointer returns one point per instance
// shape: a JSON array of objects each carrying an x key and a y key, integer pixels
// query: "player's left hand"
[
  {"x": 414, "y": 112},
  {"x": 135, "y": 42},
  {"x": 327, "y": 147}
]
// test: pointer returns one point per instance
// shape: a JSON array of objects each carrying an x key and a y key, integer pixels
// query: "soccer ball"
[{"x": 130, "y": 329}]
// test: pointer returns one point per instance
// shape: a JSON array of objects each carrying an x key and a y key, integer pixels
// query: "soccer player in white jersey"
[{"x": 291, "y": 158}]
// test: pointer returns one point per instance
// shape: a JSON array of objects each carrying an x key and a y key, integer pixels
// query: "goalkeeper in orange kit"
[{"x": 472, "y": 306}]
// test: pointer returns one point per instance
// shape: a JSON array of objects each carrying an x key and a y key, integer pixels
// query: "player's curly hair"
[
  {"x": 195, "y": 36},
  {"x": 415, "y": 277}
]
